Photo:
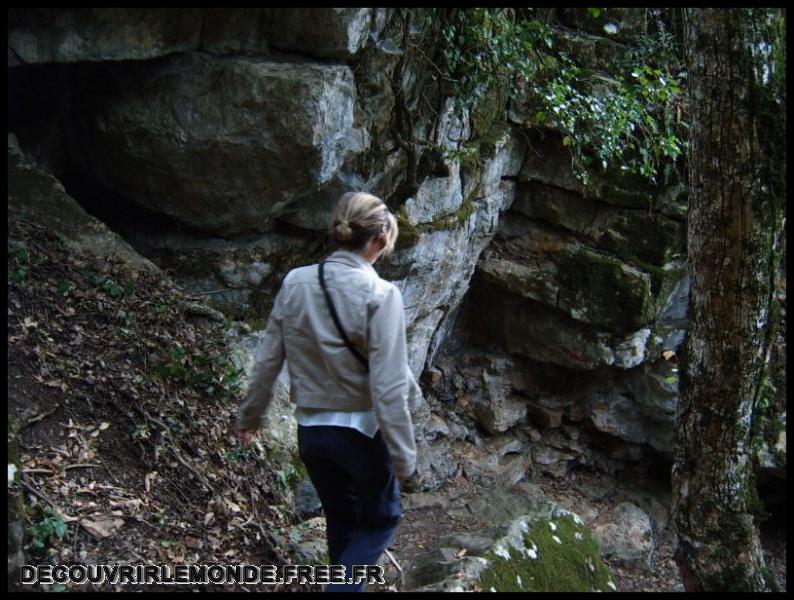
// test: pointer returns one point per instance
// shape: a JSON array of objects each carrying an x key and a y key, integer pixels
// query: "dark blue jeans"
[{"x": 354, "y": 478}]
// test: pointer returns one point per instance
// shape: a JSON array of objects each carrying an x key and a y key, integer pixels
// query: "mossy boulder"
[
  {"x": 589, "y": 286},
  {"x": 531, "y": 281},
  {"x": 604, "y": 291},
  {"x": 550, "y": 550},
  {"x": 559, "y": 555}
]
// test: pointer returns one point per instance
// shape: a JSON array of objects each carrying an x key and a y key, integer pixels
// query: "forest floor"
[{"x": 121, "y": 405}]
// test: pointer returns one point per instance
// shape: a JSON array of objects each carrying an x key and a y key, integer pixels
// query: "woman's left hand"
[{"x": 246, "y": 436}]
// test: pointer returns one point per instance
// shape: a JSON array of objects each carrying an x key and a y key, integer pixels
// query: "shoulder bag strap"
[{"x": 338, "y": 324}]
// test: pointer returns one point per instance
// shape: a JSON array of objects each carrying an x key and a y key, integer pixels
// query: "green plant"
[
  {"x": 19, "y": 261},
  {"x": 108, "y": 286},
  {"x": 19, "y": 274},
  {"x": 634, "y": 121},
  {"x": 65, "y": 287},
  {"x": 241, "y": 453},
  {"x": 141, "y": 433},
  {"x": 42, "y": 531},
  {"x": 289, "y": 476},
  {"x": 215, "y": 374}
]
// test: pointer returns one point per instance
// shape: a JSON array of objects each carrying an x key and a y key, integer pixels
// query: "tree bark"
[{"x": 736, "y": 215}]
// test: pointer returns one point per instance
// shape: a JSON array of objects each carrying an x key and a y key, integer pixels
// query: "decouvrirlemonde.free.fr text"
[{"x": 200, "y": 574}]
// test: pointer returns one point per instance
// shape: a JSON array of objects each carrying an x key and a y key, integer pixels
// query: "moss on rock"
[
  {"x": 604, "y": 291},
  {"x": 560, "y": 555},
  {"x": 408, "y": 235}
]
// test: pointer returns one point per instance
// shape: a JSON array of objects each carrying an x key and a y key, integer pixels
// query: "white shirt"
[{"x": 360, "y": 420}]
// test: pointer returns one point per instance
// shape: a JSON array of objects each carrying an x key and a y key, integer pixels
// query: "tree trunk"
[{"x": 736, "y": 215}]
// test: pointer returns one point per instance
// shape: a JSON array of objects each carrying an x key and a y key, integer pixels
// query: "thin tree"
[{"x": 737, "y": 165}]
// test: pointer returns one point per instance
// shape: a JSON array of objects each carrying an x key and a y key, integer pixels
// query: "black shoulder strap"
[{"x": 335, "y": 317}]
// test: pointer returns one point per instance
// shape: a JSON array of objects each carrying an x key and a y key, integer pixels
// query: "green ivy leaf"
[{"x": 60, "y": 528}]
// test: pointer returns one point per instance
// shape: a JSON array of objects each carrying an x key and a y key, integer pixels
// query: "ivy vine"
[{"x": 634, "y": 121}]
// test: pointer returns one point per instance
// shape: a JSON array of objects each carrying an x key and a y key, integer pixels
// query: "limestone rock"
[
  {"x": 591, "y": 287},
  {"x": 628, "y": 234},
  {"x": 447, "y": 253},
  {"x": 553, "y": 462},
  {"x": 625, "y": 533},
  {"x": 238, "y": 277},
  {"x": 43, "y": 35},
  {"x": 498, "y": 410},
  {"x": 278, "y": 420},
  {"x": 323, "y": 32},
  {"x": 548, "y": 335},
  {"x": 307, "y": 502},
  {"x": 36, "y": 195},
  {"x": 550, "y": 164},
  {"x": 221, "y": 144},
  {"x": 436, "y": 197}
]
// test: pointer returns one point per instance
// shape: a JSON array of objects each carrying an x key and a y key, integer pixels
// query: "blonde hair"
[{"x": 360, "y": 217}]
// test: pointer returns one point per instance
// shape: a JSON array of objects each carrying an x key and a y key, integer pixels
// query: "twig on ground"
[
  {"x": 397, "y": 566},
  {"x": 25, "y": 484},
  {"x": 36, "y": 419}
]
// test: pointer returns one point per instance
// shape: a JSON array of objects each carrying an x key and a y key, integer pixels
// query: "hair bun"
[{"x": 342, "y": 232}]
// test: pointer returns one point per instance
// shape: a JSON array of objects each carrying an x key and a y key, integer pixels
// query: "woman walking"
[{"x": 341, "y": 329}]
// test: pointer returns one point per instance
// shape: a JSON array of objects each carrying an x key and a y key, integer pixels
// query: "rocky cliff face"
[{"x": 216, "y": 142}]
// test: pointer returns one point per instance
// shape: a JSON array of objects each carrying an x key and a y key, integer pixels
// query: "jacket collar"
[{"x": 352, "y": 259}]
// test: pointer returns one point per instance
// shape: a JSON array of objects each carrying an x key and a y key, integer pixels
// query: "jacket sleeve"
[
  {"x": 268, "y": 360},
  {"x": 390, "y": 380}
]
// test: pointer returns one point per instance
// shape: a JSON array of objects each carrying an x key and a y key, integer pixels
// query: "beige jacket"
[{"x": 323, "y": 371}]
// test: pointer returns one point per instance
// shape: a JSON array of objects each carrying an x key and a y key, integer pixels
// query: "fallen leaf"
[
  {"x": 195, "y": 543},
  {"x": 148, "y": 479},
  {"x": 461, "y": 553},
  {"x": 668, "y": 354},
  {"x": 102, "y": 528}
]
